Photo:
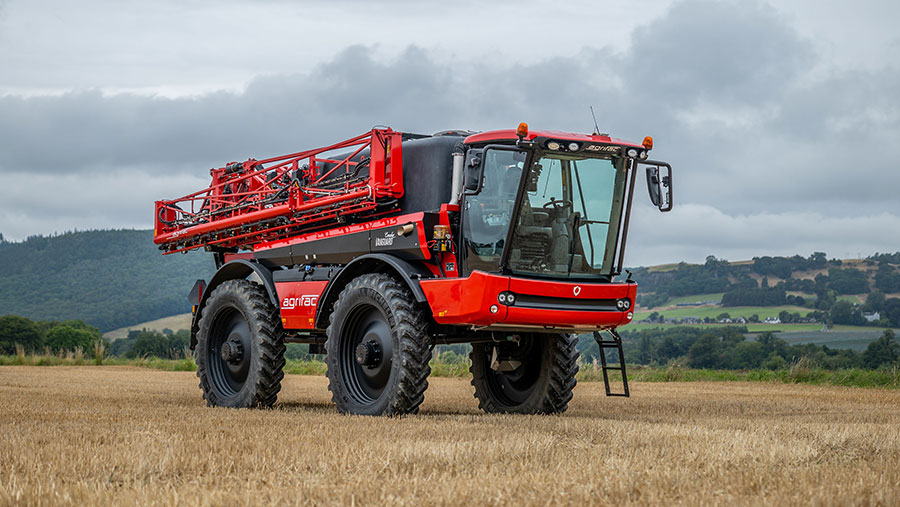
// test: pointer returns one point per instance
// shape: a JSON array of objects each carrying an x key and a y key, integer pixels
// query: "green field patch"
[
  {"x": 784, "y": 328},
  {"x": 697, "y": 298},
  {"x": 662, "y": 268},
  {"x": 734, "y": 311},
  {"x": 840, "y": 337},
  {"x": 751, "y": 328}
]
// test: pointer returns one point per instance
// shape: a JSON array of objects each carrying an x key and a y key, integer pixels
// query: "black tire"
[
  {"x": 378, "y": 348},
  {"x": 541, "y": 384},
  {"x": 240, "y": 347}
]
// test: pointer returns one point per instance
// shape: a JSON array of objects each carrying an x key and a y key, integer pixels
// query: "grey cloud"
[
  {"x": 728, "y": 53},
  {"x": 83, "y": 131}
]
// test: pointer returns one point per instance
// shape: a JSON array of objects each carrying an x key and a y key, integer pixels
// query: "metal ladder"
[{"x": 615, "y": 343}]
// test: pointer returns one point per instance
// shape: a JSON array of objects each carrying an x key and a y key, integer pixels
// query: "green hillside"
[{"x": 109, "y": 279}]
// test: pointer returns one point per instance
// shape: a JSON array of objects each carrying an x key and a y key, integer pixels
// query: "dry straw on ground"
[{"x": 85, "y": 435}]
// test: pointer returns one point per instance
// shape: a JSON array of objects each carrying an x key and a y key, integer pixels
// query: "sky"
[{"x": 781, "y": 119}]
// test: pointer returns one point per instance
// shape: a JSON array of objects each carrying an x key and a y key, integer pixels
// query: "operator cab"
[{"x": 552, "y": 205}]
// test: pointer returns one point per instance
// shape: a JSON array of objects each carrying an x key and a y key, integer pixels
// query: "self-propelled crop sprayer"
[{"x": 374, "y": 249}]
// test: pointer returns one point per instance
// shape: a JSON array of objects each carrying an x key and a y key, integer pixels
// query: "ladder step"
[{"x": 612, "y": 344}]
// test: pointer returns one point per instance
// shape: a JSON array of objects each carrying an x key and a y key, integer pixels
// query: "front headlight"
[{"x": 623, "y": 304}]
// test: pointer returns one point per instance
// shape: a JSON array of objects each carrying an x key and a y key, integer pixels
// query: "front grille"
[{"x": 552, "y": 303}]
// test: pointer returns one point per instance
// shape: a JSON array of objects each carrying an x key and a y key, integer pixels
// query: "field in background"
[
  {"x": 131, "y": 436},
  {"x": 175, "y": 322},
  {"x": 714, "y": 311}
]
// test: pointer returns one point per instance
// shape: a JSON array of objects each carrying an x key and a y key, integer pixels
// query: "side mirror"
[
  {"x": 659, "y": 184},
  {"x": 474, "y": 172}
]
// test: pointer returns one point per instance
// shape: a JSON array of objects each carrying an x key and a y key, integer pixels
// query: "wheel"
[
  {"x": 378, "y": 348},
  {"x": 534, "y": 376},
  {"x": 240, "y": 350}
]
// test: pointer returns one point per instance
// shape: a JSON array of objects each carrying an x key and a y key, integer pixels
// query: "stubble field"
[{"x": 119, "y": 435}]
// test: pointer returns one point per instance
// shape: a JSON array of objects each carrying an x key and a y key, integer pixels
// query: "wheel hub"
[
  {"x": 368, "y": 354},
  {"x": 232, "y": 352}
]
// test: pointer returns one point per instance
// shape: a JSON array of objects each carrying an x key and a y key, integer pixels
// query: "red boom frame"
[{"x": 248, "y": 203}]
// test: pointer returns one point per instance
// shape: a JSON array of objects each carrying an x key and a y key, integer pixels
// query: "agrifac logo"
[
  {"x": 603, "y": 148},
  {"x": 576, "y": 290},
  {"x": 304, "y": 300}
]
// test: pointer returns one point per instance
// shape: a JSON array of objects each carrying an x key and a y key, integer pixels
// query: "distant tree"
[
  {"x": 150, "y": 344},
  {"x": 874, "y": 302},
  {"x": 122, "y": 347},
  {"x": 753, "y": 318},
  {"x": 781, "y": 267},
  {"x": 825, "y": 300},
  {"x": 883, "y": 351},
  {"x": 178, "y": 342},
  {"x": 645, "y": 349},
  {"x": 817, "y": 315},
  {"x": 704, "y": 353},
  {"x": 843, "y": 312},
  {"x": 754, "y": 297},
  {"x": 18, "y": 330},
  {"x": 796, "y": 300},
  {"x": 66, "y": 338},
  {"x": 891, "y": 310},
  {"x": 798, "y": 284},
  {"x": 848, "y": 281},
  {"x": 817, "y": 260},
  {"x": 746, "y": 354},
  {"x": 667, "y": 349},
  {"x": 886, "y": 258},
  {"x": 772, "y": 344},
  {"x": 784, "y": 316},
  {"x": 723, "y": 316},
  {"x": 774, "y": 362},
  {"x": 887, "y": 279}
]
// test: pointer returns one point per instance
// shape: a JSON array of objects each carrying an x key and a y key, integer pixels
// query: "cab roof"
[{"x": 510, "y": 135}]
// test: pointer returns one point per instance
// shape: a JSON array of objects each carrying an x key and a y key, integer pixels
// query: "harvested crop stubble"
[{"x": 119, "y": 435}]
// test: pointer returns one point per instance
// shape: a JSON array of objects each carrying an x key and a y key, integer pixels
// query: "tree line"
[
  {"x": 729, "y": 348},
  {"x": 54, "y": 337}
]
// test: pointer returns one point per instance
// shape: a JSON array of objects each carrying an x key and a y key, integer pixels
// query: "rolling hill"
[{"x": 109, "y": 278}]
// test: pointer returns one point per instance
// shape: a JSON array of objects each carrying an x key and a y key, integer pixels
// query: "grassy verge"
[{"x": 799, "y": 373}]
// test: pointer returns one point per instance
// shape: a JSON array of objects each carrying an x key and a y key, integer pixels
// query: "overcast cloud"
[{"x": 782, "y": 141}]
